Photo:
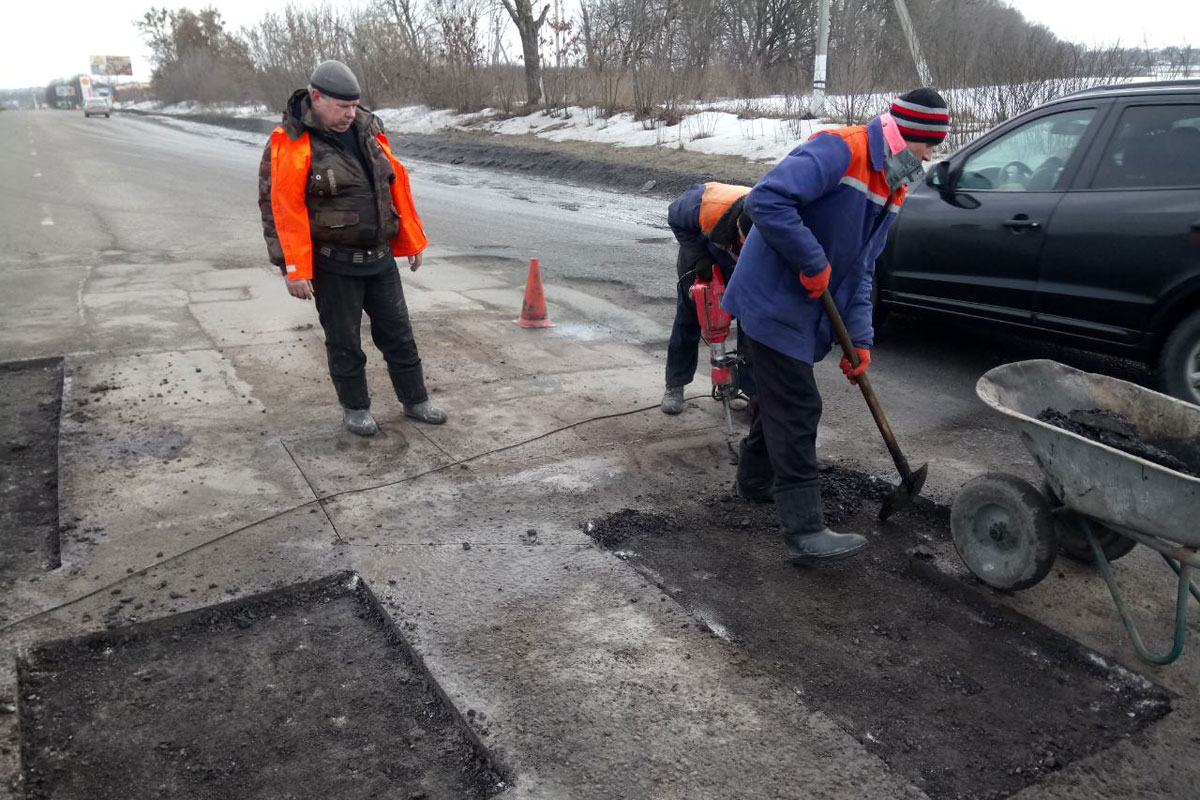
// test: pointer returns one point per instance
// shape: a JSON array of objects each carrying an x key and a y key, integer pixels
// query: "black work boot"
[
  {"x": 807, "y": 539},
  {"x": 755, "y": 480}
]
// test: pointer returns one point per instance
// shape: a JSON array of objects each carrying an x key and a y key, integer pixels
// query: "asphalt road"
[
  {"x": 84, "y": 189},
  {"x": 132, "y": 193}
]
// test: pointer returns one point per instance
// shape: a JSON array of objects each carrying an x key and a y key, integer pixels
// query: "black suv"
[{"x": 1079, "y": 219}]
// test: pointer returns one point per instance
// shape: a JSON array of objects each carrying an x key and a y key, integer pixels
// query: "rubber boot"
[
  {"x": 409, "y": 383},
  {"x": 805, "y": 536},
  {"x": 426, "y": 412},
  {"x": 359, "y": 421},
  {"x": 755, "y": 480},
  {"x": 672, "y": 402}
]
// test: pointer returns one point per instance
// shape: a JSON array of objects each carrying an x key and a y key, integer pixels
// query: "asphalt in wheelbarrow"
[
  {"x": 1117, "y": 431},
  {"x": 964, "y": 699}
]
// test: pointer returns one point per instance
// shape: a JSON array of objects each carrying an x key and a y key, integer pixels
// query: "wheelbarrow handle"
[{"x": 864, "y": 383}]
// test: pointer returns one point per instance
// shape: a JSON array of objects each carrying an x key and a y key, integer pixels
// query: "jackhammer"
[{"x": 714, "y": 329}]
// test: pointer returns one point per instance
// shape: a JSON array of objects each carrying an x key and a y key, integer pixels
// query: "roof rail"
[{"x": 1108, "y": 87}]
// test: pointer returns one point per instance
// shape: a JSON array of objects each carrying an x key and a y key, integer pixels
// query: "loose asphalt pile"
[{"x": 1117, "y": 431}]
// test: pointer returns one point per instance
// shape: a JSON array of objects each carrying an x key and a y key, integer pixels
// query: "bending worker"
[
  {"x": 710, "y": 223},
  {"x": 336, "y": 210},
  {"x": 820, "y": 220}
]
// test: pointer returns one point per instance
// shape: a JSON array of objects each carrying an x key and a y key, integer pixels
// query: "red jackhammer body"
[{"x": 714, "y": 329}]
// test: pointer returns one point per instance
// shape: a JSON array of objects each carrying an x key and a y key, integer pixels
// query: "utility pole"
[
  {"x": 910, "y": 33},
  {"x": 819, "y": 68}
]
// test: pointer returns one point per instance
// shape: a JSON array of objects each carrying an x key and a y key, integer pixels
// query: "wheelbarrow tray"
[{"x": 1110, "y": 486}]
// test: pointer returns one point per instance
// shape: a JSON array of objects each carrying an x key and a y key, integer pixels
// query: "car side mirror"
[
  {"x": 939, "y": 177},
  {"x": 943, "y": 179}
]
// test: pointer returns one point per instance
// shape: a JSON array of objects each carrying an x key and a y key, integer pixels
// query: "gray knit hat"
[{"x": 335, "y": 79}]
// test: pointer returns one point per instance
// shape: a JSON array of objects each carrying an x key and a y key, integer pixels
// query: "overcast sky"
[{"x": 44, "y": 39}]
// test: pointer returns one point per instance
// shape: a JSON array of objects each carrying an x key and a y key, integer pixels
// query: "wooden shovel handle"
[{"x": 864, "y": 383}]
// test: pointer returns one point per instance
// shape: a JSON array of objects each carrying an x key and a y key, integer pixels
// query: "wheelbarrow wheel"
[
  {"x": 1004, "y": 531},
  {"x": 1075, "y": 545}
]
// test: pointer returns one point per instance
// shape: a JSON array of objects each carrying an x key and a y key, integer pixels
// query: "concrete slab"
[
  {"x": 336, "y": 460},
  {"x": 676, "y": 712},
  {"x": 42, "y": 312},
  {"x": 244, "y": 322}
]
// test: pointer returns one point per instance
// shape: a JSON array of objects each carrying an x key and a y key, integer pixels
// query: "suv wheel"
[{"x": 1179, "y": 362}]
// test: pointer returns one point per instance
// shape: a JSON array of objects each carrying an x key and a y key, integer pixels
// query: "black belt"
[{"x": 350, "y": 255}]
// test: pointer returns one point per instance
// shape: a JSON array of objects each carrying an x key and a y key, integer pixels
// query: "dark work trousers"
[
  {"x": 784, "y": 415},
  {"x": 683, "y": 348},
  {"x": 341, "y": 301}
]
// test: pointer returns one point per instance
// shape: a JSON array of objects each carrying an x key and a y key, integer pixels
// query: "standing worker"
[
  {"x": 336, "y": 210},
  {"x": 820, "y": 220},
  {"x": 710, "y": 223}
]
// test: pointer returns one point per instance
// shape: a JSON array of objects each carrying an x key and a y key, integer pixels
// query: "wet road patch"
[
  {"x": 30, "y": 408},
  {"x": 963, "y": 699},
  {"x": 303, "y": 692}
]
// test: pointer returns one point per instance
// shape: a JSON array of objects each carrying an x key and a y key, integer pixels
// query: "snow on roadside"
[
  {"x": 713, "y": 129},
  {"x": 705, "y": 131},
  {"x": 189, "y": 108}
]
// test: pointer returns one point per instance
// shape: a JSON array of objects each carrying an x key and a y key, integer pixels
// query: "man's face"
[
  {"x": 922, "y": 150},
  {"x": 336, "y": 115}
]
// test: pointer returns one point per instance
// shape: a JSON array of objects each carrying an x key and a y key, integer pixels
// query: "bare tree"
[{"x": 528, "y": 27}]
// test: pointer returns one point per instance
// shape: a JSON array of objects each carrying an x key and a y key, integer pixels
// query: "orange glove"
[
  {"x": 864, "y": 361},
  {"x": 816, "y": 284}
]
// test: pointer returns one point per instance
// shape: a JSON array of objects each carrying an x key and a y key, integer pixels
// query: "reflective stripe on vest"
[{"x": 860, "y": 175}]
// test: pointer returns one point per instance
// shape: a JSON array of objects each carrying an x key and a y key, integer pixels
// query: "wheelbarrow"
[{"x": 1096, "y": 502}]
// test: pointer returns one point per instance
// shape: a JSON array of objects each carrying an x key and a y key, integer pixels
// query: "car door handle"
[{"x": 1021, "y": 223}]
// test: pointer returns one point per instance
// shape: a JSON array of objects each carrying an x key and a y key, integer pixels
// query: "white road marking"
[
  {"x": 33, "y": 152},
  {"x": 37, "y": 174},
  {"x": 47, "y": 221}
]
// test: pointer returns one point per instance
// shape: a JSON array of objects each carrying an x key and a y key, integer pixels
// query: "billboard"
[
  {"x": 85, "y": 86},
  {"x": 64, "y": 91},
  {"x": 111, "y": 65}
]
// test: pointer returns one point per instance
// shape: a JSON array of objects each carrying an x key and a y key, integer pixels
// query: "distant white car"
[{"x": 95, "y": 106}]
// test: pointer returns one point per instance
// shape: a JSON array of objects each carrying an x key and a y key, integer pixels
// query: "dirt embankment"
[{"x": 662, "y": 171}]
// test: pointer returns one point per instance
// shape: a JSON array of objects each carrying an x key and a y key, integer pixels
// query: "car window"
[
  {"x": 1030, "y": 158},
  {"x": 1152, "y": 147}
]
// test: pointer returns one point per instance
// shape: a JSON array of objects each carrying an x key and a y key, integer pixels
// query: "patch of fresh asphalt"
[
  {"x": 963, "y": 699},
  {"x": 308, "y": 691},
  {"x": 30, "y": 405}
]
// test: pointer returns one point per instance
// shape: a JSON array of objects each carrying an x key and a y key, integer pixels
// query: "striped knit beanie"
[{"x": 922, "y": 116}]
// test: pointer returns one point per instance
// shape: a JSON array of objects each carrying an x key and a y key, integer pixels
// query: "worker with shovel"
[{"x": 820, "y": 220}]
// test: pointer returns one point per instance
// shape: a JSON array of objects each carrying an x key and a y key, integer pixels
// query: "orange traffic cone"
[{"x": 533, "y": 310}]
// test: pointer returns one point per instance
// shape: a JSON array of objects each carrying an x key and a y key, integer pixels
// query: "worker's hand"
[
  {"x": 704, "y": 272},
  {"x": 864, "y": 361},
  {"x": 816, "y": 284},
  {"x": 414, "y": 262},
  {"x": 301, "y": 290}
]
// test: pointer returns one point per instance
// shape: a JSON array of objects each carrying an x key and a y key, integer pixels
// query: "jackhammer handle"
[{"x": 864, "y": 383}]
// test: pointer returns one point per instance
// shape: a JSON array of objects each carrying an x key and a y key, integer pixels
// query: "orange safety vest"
[{"x": 290, "y": 163}]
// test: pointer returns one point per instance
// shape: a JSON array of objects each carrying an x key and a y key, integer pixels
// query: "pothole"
[
  {"x": 964, "y": 699},
  {"x": 30, "y": 409},
  {"x": 307, "y": 691}
]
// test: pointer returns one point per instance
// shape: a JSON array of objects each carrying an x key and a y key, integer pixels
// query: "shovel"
[{"x": 910, "y": 482}]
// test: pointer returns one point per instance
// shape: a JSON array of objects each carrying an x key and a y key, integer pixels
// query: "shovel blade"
[{"x": 904, "y": 494}]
